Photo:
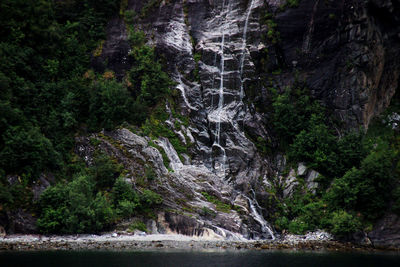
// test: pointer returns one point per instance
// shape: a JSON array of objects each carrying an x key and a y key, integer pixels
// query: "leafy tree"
[
  {"x": 292, "y": 111},
  {"x": 368, "y": 188},
  {"x": 24, "y": 145},
  {"x": 110, "y": 104},
  {"x": 104, "y": 170},
  {"x": 316, "y": 147},
  {"x": 344, "y": 224},
  {"x": 150, "y": 82},
  {"x": 74, "y": 208}
]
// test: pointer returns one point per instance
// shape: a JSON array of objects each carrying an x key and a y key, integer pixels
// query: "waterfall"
[
  {"x": 244, "y": 42},
  {"x": 217, "y": 142},
  {"x": 221, "y": 84},
  {"x": 265, "y": 228}
]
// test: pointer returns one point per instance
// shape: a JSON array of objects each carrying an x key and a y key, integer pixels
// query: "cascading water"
[
  {"x": 217, "y": 142},
  {"x": 265, "y": 228},
  {"x": 232, "y": 158},
  {"x": 181, "y": 88},
  {"x": 252, "y": 203},
  {"x": 244, "y": 42}
]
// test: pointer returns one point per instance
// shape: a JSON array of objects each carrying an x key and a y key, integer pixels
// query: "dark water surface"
[{"x": 187, "y": 258}]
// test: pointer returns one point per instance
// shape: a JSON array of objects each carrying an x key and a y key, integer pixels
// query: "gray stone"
[
  {"x": 312, "y": 185},
  {"x": 386, "y": 231},
  {"x": 301, "y": 169}
]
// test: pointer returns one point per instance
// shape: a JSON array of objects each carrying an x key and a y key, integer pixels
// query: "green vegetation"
[
  {"x": 74, "y": 208},
  {"x": 360, "y": 171},
  {"x": 292, "y": 3},
  {"x": 220, "y": 206},
  {"x": 85, "y": 205},
  {"x": 289, "y": 4},
  {"x": 138, "y": 226},
  {"x": 50, "y": 95},
  {"x": 150, "y": 5}
]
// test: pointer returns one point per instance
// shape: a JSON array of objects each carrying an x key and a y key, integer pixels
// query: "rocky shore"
[{"x": 114, "y": 241}]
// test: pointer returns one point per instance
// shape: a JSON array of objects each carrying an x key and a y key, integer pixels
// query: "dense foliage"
[
  {"x": 82, "y": 205},
  {"x": 49, "y": 94},
  {"x": 359, "y": 172}
]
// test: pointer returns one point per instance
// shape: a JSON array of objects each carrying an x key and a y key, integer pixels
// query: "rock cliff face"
[{"x": 347, "y": 52}]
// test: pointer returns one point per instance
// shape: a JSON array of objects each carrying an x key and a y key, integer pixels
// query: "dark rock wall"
[{"x": 347, "y": 51}]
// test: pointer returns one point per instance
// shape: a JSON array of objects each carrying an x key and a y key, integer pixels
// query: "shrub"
[
  {"x": 125, "y": 200},
  {"x": 74, "y": 208},
  {"x": 110, "y": 105},
  {"x": 344, "y": 224},
  {"x": 151, "y": 83},
  {"x": 138, "y": 226},
  {"x": 367, "y": 189},
  {"x": 149, "y": 198},
  {"x": 298, "y": 226},
  {"x": 316, "y": 147},
  {"x": 282, "y": 223},
  {"x": 26, "y": 150},
  {"x": 104, "y": 170},
  {"x": 292, "y": 112}
]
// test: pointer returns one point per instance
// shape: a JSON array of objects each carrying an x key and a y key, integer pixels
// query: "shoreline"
[{"x": 114, "y": 242}]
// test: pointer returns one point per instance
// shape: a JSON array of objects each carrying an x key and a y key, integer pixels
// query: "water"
[
  {"x": 217, "y": 143},
  {"x": 260, "y": 219},
  {"x": 193, "y": 259},
  {"x": 244, "y": 48}
]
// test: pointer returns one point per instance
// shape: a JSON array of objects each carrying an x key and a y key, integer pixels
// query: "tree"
[{"x": 317, "y": 147}]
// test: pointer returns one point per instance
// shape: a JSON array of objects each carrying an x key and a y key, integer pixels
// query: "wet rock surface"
[{"x": 347, "y": 53}]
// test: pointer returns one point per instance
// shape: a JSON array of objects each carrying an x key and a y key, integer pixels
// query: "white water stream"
[
  {"x": 244, "y": 42},
  {"x": 265, "y": 228},
  {"x": 221, "y": 166}
]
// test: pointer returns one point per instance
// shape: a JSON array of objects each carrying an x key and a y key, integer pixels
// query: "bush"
[
  {"x": 110, "y": 105},
  {"x": 316, "y": 147},
  {"x": 149, "y": 198},
  {"x": 127, "y": 202},
  {"x": 104, "y": 170},
  {"x": 344, "y": 224},
  {"x": 150, "y": 83},
  {"x": 281, "y": 223},
  {"x": 74, "y": 208},
  {"x": 367, "y": 189},
  {"x": 27, "y": 151},
  {"x": 298, "y": 226},
  {"x": 138, "y": 226},
  {"x": 292, "y": 111},
  {"x": 123, "y": 191}
]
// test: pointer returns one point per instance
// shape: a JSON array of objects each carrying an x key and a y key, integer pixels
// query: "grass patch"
[
  {"x": 220, "y": 206},
  {"x": 138, "y": 225}
]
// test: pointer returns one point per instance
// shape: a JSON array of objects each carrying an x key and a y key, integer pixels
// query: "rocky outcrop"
[
  {"x": 347, "y": 53},
  {"x": 386, "y": 232},
  {"x": 21, "y": 221},
  {"x": 195, "y": 200},
  {"x": 218, "y": 33}
]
